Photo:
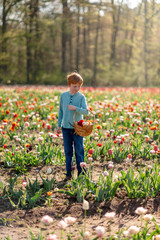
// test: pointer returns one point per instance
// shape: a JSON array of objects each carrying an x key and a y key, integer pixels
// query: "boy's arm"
[
  {"x": 83, "y": 110},
  {"x": 60, "y": 113}
]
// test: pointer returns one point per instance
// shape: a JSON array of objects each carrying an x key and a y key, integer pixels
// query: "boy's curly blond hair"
[{"x": 74, "y": 78}]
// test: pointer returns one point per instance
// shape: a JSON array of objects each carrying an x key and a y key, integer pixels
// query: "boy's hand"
[
  {"x": 71, "y": 107},
  {"x": 58, "y": 130}
]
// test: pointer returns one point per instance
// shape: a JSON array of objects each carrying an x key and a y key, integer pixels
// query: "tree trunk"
[
  {"x": 70, "y": 40},
  {"x": 84, "y": 37},
  {"x": 145, "y": 43},
  {"x": 133, "y": 32},
  {"x": 64, "y": 34},
  {"x": 94, "y": 78},
  {"x": 77, "y": 37},
  {"x": 70, "y": 54},
  {"x": 125, "y": 55},
  {"x": 115, "y": 28},
  {"x": 103, "y": 43},
  {"x": 4, "y": 40},
  {"x": 37, "y": 36},
  {"x": 29, "y": 31},
  {"x": 88, "y": 40},
  {"x": 153, "y": 11},
  {"x": 29, "y": 58},
  {"x": 6, "y": 7}
]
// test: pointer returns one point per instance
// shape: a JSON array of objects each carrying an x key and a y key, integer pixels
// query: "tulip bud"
[
  {"x": 141, "y": 211},
  {"x": 46, "y": 220},
  {"x": 85, "y": 205},
  {"x": 133, "y": 230},
  {"x": 100, "y": 231},
  {"x": 49, "y": 170},
  {"x": 87, "y": 235},
  {"x": 110, "y": 151}
]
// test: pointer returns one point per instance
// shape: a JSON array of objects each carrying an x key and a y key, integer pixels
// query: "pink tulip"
[
  {"x": 133, "y": 230},
  {"x": 87, "y": 235},
  {"x": 70, "y": 220},
  {"x": 141, "y": 211},
  {"x": 149, "y": 166},
  {"x": 110, "y": 216},
  {"x": 105, "y": 173},
  {"x": 62, "y": 224},
  {"x": 24, "y": 183},
  {"x": 110, "y": 165},
  {"x": 82, "y": 164},
  {"x": 52, "y": 237},
  {"x": 100, "y": 231},
  {"x": 46, "y": 220}
]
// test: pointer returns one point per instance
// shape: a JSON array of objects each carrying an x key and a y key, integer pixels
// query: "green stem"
[
  {"x": 85, "y": 214},
  {"x": 62, "y": 232}
]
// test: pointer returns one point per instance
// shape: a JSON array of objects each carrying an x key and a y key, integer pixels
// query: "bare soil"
[{"x": 16, "y": 223}]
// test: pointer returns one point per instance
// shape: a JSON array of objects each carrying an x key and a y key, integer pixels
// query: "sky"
[{"x": 134, "y": 3}]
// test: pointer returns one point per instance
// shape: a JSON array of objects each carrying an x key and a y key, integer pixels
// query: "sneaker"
[{"x": 67, "y": 178}]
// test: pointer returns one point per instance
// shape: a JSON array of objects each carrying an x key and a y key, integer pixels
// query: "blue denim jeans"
[{"x": 70, "y": 139}]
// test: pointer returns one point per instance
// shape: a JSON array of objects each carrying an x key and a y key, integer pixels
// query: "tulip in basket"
[{"x": 82, "y": 128}]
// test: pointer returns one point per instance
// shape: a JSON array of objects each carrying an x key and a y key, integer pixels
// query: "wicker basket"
[{"x": 82, "y": 131}]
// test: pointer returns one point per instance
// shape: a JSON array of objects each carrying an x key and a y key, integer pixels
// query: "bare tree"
[
  {"x": 70, "y": 40},
  {"x": 78, "y": 35},
  {"x": 133, "y": 31},
  {"x": 88, "y": 37},
  {"x": 29, "y": 15},
  {"x": 84, "y": 35},
  {"x": 116, "y": 12},
  {"x": 37, "y": 39},
  {"x": 94, "y": 78},
  {"x": 6, "y": 9},
  {"x": 64, "y": 33},
  {"x": 145, "y": 42}
]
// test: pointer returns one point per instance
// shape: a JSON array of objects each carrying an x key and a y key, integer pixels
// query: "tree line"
[{"x": 107, "y": 42}]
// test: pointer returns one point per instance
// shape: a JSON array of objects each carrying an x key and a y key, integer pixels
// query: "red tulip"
[
  {"x": 155, "y": 148},
  {"x": 90, "y": 151},
  {"x": 80, "y": 123},
  {"x": 99, "y": 144},
  {"x": 130, "y": 156}
]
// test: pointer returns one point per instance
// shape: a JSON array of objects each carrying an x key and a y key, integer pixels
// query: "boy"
[{"x": 70, "y": 102}]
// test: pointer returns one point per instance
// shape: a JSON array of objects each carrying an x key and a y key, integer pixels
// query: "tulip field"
[{"x": 118, "y": 197}]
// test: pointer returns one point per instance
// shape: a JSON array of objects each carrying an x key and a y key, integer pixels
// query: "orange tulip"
[
  {"x": 153, "y": 128},
  {"x": 49, "y": 193}
]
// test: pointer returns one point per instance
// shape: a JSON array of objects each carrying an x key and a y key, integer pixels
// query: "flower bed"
[{"x": 121, "y": 156}]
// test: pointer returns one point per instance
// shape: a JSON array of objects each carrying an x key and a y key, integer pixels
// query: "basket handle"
[{"x": 76, "y": 113}]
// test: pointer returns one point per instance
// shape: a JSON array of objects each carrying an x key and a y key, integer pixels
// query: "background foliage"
[{"x": 106, "y": 41}]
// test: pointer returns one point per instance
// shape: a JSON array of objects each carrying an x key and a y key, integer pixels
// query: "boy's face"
[{"x": 74, "y": 88}]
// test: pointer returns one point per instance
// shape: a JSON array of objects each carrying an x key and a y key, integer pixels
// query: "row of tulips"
[
  {"x": 45, "y": 148},
  {"x": 134, "y": 184},
  {"x": 139, "y": 183},
  {"x": 132, "y": 232},
  {"x": 149, "y": 229}
]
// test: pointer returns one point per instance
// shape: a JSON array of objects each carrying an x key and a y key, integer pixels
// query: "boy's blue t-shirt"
[{"x": 65, "y": 116}]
